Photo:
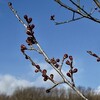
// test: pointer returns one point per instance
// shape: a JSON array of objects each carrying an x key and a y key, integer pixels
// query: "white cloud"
[{"x": 8, "y": 84}]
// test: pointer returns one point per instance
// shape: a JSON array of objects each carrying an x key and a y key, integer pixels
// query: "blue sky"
[{"x": 73, "y": 38}]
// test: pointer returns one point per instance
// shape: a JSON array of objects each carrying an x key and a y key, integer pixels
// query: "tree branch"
[
  {"x": 31, "y": 40},
  {"x": 97, "y": 3},
  {"x": 83, "y": 13}
]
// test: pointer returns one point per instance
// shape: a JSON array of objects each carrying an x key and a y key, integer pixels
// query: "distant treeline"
[{"x": 56, "y": 94}]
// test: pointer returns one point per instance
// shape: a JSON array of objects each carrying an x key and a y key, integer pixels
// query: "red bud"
[
  {"x": 29, "y": 20},
  {"x": 71, "y": 58},
  {"x": 44, "y": 71},
  {"x": 65, "y": 56},
  {"x": 69, "y": 74},
  {"x": 45, "y": 78},
  {"x": 36, "y": 70},
  {"x": 29, "y": 32},
  {"x": 32, "y": 26},
  {"x": 94, "y": 55},
  {"x": 26, "y": 17},
  {"x": 37, "y": 66},
  {"x": 23, "y": 47},
  {"x": 51, "y": 76},
  {"x": 68, "y": 62},
  {"x": 98, "y": 59},
  {"x": 57, "y": 60},
  {"x": 53, "y": 61},
  {"x": 56, "y": 65},
  {"x": 47, "y": 91},
  {"x": 9, "y": 3},
  {"x": 75, "y": 70},
  {"x": 30, "y": 41}
]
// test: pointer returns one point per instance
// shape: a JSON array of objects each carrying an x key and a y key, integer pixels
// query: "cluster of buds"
[
  {"x": 44, "y": 74},
  {"x": 55, "y": 62},
  {"x": 37, "y": 67},
  {"x": 94, "y": 55},
  {"x": 69, "y": 74},
  {"x": 29, "y": 31},
  {"x": 69, "y": 62}
]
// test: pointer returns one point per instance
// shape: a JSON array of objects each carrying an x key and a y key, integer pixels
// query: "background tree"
[{"x": 56, "y": 94}]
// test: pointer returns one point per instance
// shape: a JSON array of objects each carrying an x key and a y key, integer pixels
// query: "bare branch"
[
  {"x": 31, "y": 40},
  {"x": 80, "y": 11},
  {"x": 94, "y": 55},
  {"x": 15, "y": 13},
  {"x": 48, "y": 90},
  {"x": 68, "y": 21},
  {"x": 97, "y": 3}
]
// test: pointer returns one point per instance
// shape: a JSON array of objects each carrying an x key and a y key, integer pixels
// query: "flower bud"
[
  {"x": 29, "y": 20},
  {"x": 68, "y": 62},
  {"x": 37, "y": 66},
  {"x": 30, "y": 41},
  {"x": 75, "y": 70},
  {"x": 44, "y": 71},
  {"x": 36, "y": 70},
  {"x": 23, "y": 47},
  {"x": 98, "y": 59},
  {"x": 45, "y": 78},
  {"x": 32, "y": 26},
  {"x": 71, "y": 58},
  {"x": 94, "y": 55},
  {"x": 48, "y": 90},
  {"x": 9, "y": 3},
  {"x": 29, "y": 32},
  {"x": 65, "y": 56},
  {"x": 56, "y": 65},
  {"x": 69, "y": 74},
  {"x": 57, "y": 60},
  {"x": 43, "y": 75},
  {"x": 25, "y": 17},
  {"x": 96, "y": 8},
  {"x": 53, "y": 61},
  {"x": 51, "y": 76}
]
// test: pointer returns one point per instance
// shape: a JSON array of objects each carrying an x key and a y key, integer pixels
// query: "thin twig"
[
  {"x": 15, "y": 13},
  {"x": 68, "y": 21},
  {"x": 54, "y": 86},
  {"x": 97, "y": 3},
  {"x": 82, "y": 12}
]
